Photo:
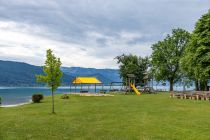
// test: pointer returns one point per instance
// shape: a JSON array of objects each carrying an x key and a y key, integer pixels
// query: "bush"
[
  {"x": 0, "y": 100},
  {"x": 36, "y": 98},
  {"x": 64, "y": 96}
]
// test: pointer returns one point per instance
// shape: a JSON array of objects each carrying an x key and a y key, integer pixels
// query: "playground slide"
[{"x": 135, "y": 89}]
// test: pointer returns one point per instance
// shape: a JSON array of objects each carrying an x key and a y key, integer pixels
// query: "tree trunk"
[
  {"x": 206, "y": 85},
  {"x": 196, "y": 85},
  {"x": 53, "y": 108},
  {"x": 184, "y": 87},
  {"x": 171, "y": 85},
  {"x": 203, "y": 85}
]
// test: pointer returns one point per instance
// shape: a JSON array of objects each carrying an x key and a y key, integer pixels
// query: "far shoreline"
[{"x": 15, "y": 105}]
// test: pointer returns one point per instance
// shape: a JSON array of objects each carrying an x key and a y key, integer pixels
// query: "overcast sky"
[{"x": 90, "y": 33}]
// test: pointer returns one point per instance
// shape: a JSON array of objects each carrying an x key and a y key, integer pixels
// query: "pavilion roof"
[{"x": 86, "y": 80}]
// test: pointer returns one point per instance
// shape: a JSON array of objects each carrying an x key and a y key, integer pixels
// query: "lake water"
[{"x": 18, "y": 95}]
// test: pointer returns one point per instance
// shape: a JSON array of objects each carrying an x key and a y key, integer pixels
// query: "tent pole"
[
  {"x": 70, "y": 88},
  {"x": 75, "y": 88},
  {"x": 95, "y": 88}
]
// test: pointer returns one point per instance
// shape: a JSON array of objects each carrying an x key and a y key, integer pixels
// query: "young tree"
[
  {"x": 166, "y": 56},
  {"x": 131, "y": 64},
  {"x": 196, "y": 61},
  {"x": 52, "y": 74}
]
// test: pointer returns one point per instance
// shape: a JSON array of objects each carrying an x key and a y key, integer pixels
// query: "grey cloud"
[
  {"x": 70, "y": 21},
  {"x": 83, "y": 49},
  {"x": 71, "y": 18},
  {"x": 102, "y": 42}
]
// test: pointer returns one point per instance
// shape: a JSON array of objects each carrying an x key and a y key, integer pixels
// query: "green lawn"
[{"x": 123, "y": 117}]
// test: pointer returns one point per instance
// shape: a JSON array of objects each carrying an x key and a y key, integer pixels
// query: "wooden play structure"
[
  {"x": 85, "y": 83},
  {"x": 130, "y": 84},
  {"x": 127, "y": 86},
  {"x": 113, "y": 84}
]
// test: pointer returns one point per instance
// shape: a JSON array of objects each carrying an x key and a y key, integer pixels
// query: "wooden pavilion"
[{"x": 85, "y": 81}]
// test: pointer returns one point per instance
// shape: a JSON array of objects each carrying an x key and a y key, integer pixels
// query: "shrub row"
[
  {"x": 64, "y": 96},
  {"x": 36, "y": 98}
]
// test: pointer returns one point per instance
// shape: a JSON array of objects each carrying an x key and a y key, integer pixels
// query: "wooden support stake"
[{"x": 95, "y": 88}]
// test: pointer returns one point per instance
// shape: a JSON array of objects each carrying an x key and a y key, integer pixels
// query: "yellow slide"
[{"x": 135, "y": 89}]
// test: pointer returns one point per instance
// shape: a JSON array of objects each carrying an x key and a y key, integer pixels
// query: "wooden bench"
[
  {"x": 196, "y": 95},
  {"x": 179, "y": 96}
]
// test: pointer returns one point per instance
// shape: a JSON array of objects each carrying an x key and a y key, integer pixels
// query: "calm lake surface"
[{"x": 18, "y": 95}]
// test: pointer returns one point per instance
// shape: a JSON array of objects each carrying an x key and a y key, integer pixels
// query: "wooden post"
[
  {"x": 95, "y": 88},
  {"x": 197, "y": 97},
  {"x": 70, "y": 88},
  {"x": 129, "y": 80},
  {"x": 171, "y": 95},
  {"x": 75, "y": 88},
  {"x": 185, "y": 96},
  {"x": 75, "y": 81}
]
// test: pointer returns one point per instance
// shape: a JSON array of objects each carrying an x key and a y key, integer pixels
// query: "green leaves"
[
  {"x": 131, "y": 64},
  {"x": 199, "y": 49},
  {"x": 197, "y": 53},
  {"x": 52, "y": 71},
  {"x": 52, "y": 75},
  {"x": 166, "y": 55}
]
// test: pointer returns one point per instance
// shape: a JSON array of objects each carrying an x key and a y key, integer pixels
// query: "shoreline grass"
[{"x": 121, "y": 117}]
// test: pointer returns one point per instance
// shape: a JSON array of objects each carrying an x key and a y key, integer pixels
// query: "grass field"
[{"x": 123, "y": 117}]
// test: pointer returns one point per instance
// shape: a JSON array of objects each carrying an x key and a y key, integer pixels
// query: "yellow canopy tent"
[{"x": 87, "y": 81}]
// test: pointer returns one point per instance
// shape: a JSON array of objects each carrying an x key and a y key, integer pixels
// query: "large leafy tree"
[
  {"x": 196, "y": 61},
  {"x": 52, "y": 74},
  {"x": 166, "y": 56},
  {"x": 132, "y": 64}
]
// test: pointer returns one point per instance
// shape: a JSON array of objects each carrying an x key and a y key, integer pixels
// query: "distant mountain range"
[
  {"x": 23, "y": 74},
  {"x": 105, "y": 75}
]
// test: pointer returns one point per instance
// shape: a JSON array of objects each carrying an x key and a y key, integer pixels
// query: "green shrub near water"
[
  {"x": 36, "y": 98},
  {"x": 64, "y": 96},
  {"x": 0, "y": 100}
]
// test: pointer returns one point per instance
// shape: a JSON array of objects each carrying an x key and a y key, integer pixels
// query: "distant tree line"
[{"x": 181, "y": 56}]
